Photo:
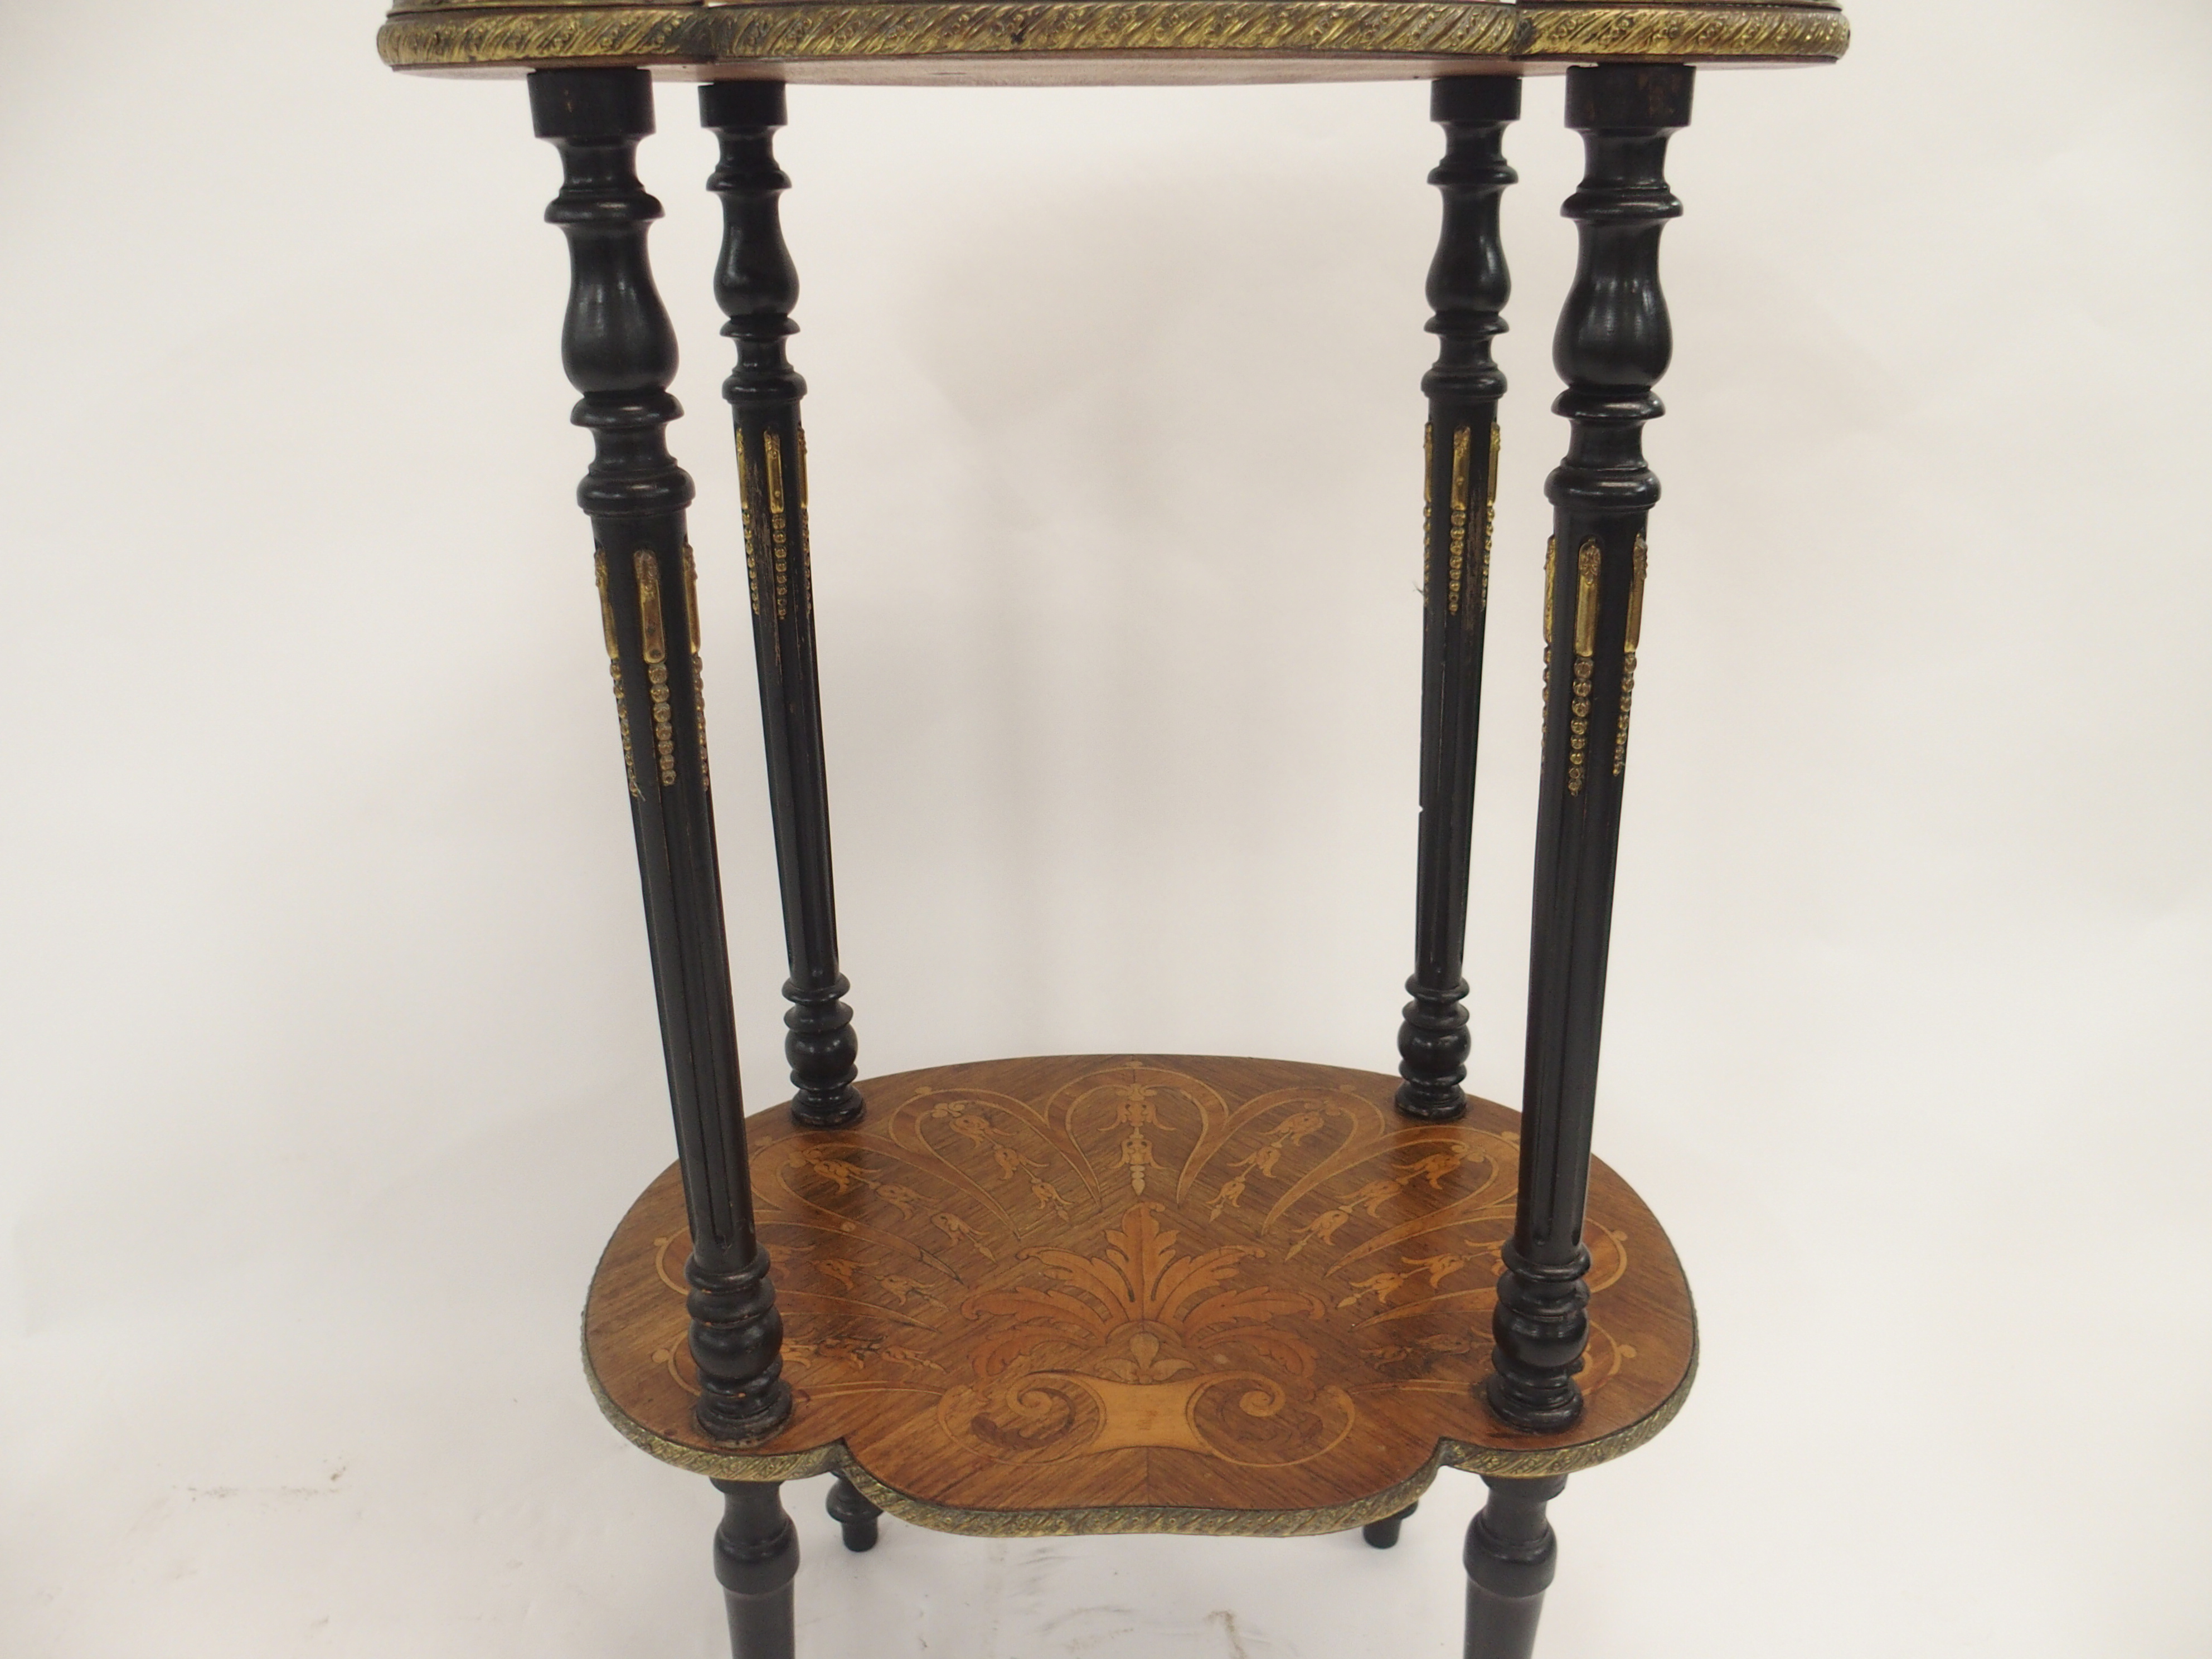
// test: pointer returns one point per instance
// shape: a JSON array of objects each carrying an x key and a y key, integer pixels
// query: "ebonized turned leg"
[
  {"x": 620, "y": 352},
  {"x": 755, "y": 1559},
  {"x": 1612, "y": 344},
  {"x": 1467, "y": 288},
  {"x": 851, "y": 1510},
  {"x": 1510, "y": 1555},
  {"x": 1383, "y": 1534},
  {"x": 757, "y": 286}
]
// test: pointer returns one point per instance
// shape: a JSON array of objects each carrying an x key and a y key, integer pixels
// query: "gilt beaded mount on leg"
[{"x": 1113, "y": 1292}]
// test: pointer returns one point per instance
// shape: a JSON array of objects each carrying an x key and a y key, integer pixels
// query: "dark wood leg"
[
  {"x": 1467, "y": 289},
  {"x": 1510, "y": 1554},
  {"x": 757, "y": 286},
  {"x": 755, "y": 1559},
  {"x": 1612, "y": 344},
  {"x": 620, "y": 352},
  {"x": 1383, "y": 1534},
  {"x": 850, "y": 1509}
]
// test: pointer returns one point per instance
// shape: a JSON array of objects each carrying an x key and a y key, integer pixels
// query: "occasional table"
[{"x": 1123, "y": 1292}]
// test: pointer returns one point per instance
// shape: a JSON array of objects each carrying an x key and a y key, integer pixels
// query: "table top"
[{"x": 1096, "y": 42}]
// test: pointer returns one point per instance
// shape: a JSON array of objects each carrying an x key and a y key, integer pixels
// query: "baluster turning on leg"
[
  {"x": 1612, "y": 344},
  {"x": 1510, "y": 1557},
  {"x": 756, "y": 285},
  {"x": 755, "y": 1559},
  {"x": 1467, "y": 289},
  {"x": 620, "y": 352}
]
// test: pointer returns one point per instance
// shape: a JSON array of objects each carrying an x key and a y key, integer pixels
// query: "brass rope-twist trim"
[
  {"x": 461, "y": 35},
  {"x": 614, "y": 669},
  {"x": 1628, "y": 656},
  {"x": 1587, "y": 561},
  {"x": 654, "y": 627},
  {"x": 698, "y": 667},
  {"x": 1462, "y": 446}
]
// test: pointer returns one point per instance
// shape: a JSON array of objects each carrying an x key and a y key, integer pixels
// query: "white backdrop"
[{"x": 329, "y": 1052}]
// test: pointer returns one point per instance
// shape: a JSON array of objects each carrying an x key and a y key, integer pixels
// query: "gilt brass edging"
[
  {"x": 829, "y": 31},
  {"x": 403, "y": 7},
  {"x": 1148, "y": 1518}
]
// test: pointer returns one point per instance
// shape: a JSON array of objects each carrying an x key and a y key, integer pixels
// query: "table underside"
[
  {"x": 1094, "y": 1293},
  {"x": 1061, "y": 42}
]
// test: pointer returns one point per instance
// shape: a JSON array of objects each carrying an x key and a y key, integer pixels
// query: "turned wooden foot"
[
  {"x": 850, "y": 1509},
  {"x": 1383, "y": 1534}
]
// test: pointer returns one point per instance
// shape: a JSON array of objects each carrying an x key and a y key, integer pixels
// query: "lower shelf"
[{"x": 1157, "y": 1294}]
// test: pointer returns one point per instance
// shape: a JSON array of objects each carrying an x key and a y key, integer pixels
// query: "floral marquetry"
[{"x": 1098, "y": 1294}]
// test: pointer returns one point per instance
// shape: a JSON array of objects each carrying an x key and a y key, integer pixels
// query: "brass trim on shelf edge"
[
  {"x": 736, "y": 1465},
  {"x": 860, "y": 31},
  {"x": 414, "y": 7},
  {"x": 409, "y": 8}
]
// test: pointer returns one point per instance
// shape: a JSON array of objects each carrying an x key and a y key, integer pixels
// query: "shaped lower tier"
[{"x": 1145, "y": 1294}]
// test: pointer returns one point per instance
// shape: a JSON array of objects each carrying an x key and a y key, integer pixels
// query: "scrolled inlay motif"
[{"x": 1215, "y": 1271}]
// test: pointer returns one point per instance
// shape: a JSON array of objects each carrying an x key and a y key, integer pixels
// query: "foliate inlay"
[
  {"x": 1233, "y": 1284},
  {"x": 614, "y": 671},
  {"x": 654, "y": 628},
  {"x": 1628, "y": 658}
]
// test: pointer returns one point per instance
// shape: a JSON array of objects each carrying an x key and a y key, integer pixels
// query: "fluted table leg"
[
  {"x": 1612, "y": 344},
  {"x": 1467, "y": 290},
  {"x": 620, "y": 352},
  {"x": 757, "y": 286}
]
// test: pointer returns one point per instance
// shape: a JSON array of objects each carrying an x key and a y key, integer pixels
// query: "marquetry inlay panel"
[{"x": 1101, "y": 1293}]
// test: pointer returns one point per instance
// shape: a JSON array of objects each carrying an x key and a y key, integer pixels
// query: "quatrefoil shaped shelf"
[{"x": 1094, "y": 1293}]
